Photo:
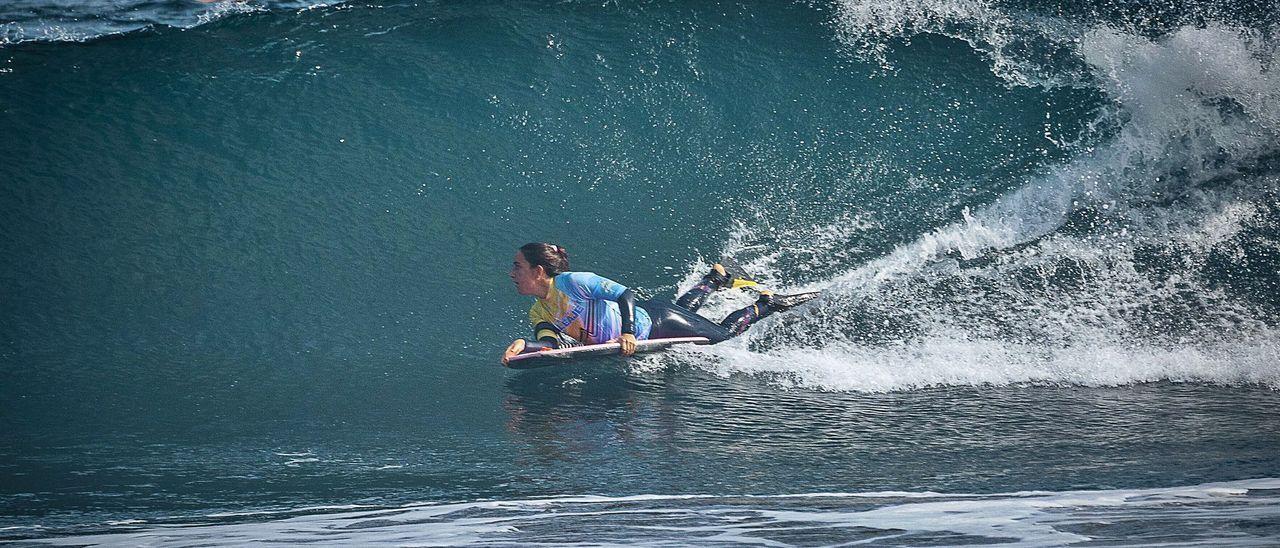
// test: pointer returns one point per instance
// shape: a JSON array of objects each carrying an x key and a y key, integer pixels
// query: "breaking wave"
[
  {"x": 1150, "y": 254},
  {"x": 59, "y": 21}
]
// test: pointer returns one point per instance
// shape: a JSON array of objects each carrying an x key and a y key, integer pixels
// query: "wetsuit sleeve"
[
  {"x": 627, "y": 309},
  {"x": 538, "y": 346},
  {"x": 545, "y": 333},
  {"x": 547, "y": 337}
]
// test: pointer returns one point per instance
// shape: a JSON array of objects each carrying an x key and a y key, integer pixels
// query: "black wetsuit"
[
  {"x": 672, "y": 320},
  {"x": 680, "y": 319}
]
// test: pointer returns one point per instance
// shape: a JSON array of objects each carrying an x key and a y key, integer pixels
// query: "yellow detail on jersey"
[{"x": 552, "y": 310}]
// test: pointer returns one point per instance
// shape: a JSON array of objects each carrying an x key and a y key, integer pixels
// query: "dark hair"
[{"x": 552, "y": 258}]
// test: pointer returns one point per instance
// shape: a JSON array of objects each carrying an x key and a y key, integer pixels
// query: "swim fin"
[{"x": 778, "y": 302}]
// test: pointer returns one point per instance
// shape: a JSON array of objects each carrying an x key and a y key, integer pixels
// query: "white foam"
[
  {"x": 62, "y": 21},
  {"x": 955, "y": 360},
  {"x": 1030, "y": 518},
  {"x": 1023, "y": 49},
  {"x": 983, "y": 301}
]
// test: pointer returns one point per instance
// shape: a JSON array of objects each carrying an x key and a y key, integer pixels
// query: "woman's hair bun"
[{"x": 551, "y": 257}]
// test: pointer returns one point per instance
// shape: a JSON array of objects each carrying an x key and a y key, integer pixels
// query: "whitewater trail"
[{"x": 1106, "y": 269}]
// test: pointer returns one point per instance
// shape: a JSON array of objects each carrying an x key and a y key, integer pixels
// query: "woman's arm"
[
  {"x": 627, "y": 309},
  {"x": 548, "y": 339}
]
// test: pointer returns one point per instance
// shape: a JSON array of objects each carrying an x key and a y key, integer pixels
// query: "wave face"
[{"x": 1102, "y": 518}]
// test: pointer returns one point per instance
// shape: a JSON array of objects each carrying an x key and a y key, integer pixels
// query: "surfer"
[{"x": 575, "y": 308}]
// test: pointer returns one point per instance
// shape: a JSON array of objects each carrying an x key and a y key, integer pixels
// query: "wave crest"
[
  {"x": 1150, "y": 255},
  {"x": 59, "y": 21}
]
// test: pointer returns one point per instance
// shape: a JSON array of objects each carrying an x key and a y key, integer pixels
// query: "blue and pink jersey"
[{"x": 581, "y": 305}]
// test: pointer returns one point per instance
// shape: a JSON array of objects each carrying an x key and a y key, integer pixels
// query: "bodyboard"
[{"x": 562, "y": 355}]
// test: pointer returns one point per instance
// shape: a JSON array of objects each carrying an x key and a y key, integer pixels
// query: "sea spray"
[
  {"x": 58, "y": 21},
  {"x": 1147, "y": 256}
]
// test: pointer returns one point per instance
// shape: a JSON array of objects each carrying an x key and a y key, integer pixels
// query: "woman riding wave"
[{"x": 575, "y": 308}]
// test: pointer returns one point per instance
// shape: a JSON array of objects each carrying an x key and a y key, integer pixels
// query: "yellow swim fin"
[{"x": 738, "y": 278}]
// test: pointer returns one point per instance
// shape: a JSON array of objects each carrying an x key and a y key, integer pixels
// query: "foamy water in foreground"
[{"x": 1238, "y": 513}]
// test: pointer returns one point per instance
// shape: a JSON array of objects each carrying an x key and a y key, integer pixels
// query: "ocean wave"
[
  {"x": 60, "y": 21},
  {"x": 1228, "y": 513},
  {"x": 1146, "y": 256}
]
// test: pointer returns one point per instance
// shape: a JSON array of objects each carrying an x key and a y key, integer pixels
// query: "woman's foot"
[{"x": 730, "y": 277}]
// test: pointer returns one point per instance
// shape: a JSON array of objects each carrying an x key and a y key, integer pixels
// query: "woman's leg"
[
  {"x": 768, "y": 303},
  {"x": 695, "y": 297},
  {"x": 719, "y": 278},
  {"x": 738, "y": 322},
  {"x": 670, "y": 321}
]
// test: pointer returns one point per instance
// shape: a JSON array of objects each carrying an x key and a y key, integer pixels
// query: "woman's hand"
[
  {"x": 515, "y": 348},
  {"x": 628, "y": 342}
]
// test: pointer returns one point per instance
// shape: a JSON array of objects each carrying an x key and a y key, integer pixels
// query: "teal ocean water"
[{"x": 254, "y": 279}]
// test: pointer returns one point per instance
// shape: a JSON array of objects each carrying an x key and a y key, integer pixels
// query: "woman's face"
[{"x": 526, "y": 276}]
